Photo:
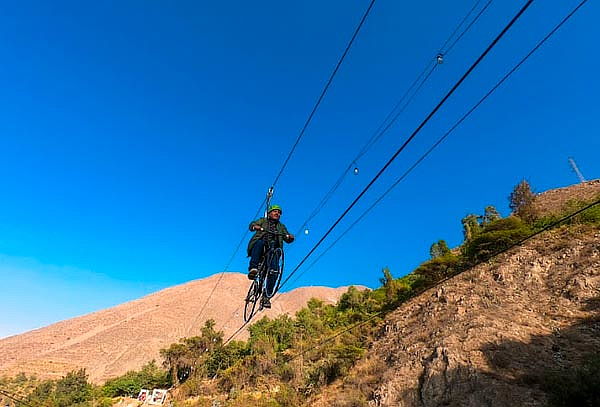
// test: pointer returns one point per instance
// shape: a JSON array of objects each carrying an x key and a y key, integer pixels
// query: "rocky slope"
[
  {"x": 551, "y": 202},
  {"x": 489, "y": 336},
  {"x": 112, "y": 341}
]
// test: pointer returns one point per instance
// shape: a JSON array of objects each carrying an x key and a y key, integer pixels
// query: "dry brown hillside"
[
  {"x": 112, "y": 341},
  {"x": 553, "y": 201},
  {"x": 488, "y": 337}
]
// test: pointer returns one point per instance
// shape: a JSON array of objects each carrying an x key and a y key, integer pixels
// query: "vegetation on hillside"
[
  {"x": 297, "y": 355},
  {"x": 288, "y": 359}
]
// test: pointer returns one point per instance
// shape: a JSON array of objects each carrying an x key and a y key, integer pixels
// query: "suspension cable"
[
  {"x": 14, "y": 398},
  {"x": 324, "y": 91},
  {"x": 302, "y": 131},
  {"x": 222, "y": 274},
  {"x": 398, "y": 108},
  {"x": 492, "y": 256},
  {"x": 460, "y": 24},
  {"x": 414, "y": 134},
  {"x": 445, "y": 135},
  {"x": 467, "y": 28}
]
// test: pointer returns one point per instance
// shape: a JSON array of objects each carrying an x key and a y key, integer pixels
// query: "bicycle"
[{"x": 272, "y": 262}]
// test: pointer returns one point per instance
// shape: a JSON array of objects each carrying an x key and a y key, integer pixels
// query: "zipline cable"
[
  {"x": 302, "y": 131},
  {"x": 443, "y": 137},
  {"x": 414, "y": 134},
  {"x": 15, "y": 399},
  {"x": 233, "y": 335},
  {"x": 396, "y": 111},
  {"x": 324, "y": 91},
  {"x": 520, "y": 242},
  {"x": 467, "y": 28},
  {"x": 237, "y": 248},
  {"x": 418, "y": 82},
  {"x": 460, "y": 24},
  {"x": 383, "y": 128}
]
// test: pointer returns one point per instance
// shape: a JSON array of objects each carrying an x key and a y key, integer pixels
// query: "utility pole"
[{"x": 576, "y": 169}]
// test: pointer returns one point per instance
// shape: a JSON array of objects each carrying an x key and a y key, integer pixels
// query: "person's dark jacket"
[{"x": 263, "y": 223}]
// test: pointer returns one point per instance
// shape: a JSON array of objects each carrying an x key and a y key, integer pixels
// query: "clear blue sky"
[{"x": 139, "y": 137}]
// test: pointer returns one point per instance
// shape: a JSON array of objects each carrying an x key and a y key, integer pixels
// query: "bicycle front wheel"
[
  {"x": 279, "y": 263},
  {"x": 251, "y": 300}
]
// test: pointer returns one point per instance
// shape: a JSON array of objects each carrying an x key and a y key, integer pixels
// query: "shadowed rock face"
[
  {"x": 488, "y": 337},
  {"x": 112, "y": 341}
]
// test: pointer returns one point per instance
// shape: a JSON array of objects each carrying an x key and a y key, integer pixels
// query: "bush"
[
  {"x": 71, "y": 390},
  {"x": 340, "y": 360},
  {"x": 578, "y": 387},
  {"x": 591, "y": 215},
  {"x": 351, "y": 398},
  {"x": 437, "y": 269},
  {"x": 438, "y": 249},
  {"x": 495, "y": 237},
  {"x": 287, "y": 397},
  {"x": 225, "y": 357},
  {"x": 130, "y": 384}
]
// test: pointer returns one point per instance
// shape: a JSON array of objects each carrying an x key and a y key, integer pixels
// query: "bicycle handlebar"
[{"x": 272, "y": 233}]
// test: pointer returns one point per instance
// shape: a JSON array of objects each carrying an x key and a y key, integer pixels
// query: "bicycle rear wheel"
[{"x": 251, "y": 300}]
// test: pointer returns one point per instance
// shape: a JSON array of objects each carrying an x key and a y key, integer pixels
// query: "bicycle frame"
[{"x": 259, "y": 289}]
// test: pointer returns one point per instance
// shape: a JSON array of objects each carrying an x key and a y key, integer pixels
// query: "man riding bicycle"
[{"x": 269, "y": 231}]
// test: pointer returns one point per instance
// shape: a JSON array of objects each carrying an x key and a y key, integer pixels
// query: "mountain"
[
  {"x": 110, "y": 342},
  {"x": 492, "y": 335}
]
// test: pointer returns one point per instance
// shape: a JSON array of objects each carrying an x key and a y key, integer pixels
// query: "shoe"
[
  {"x": 265, "y": 303},
  {"x": 252, "y": 273}
]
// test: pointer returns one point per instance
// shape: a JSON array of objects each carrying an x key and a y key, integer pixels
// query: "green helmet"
[{"x": 275, "y": 207}]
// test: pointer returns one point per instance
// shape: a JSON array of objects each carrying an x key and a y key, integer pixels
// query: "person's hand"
[
  {"x": 257, "y": 227},
  {"x": 290, "y": 237}
]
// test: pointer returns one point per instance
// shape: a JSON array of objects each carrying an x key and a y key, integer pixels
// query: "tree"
[
  {"x": 438, "y": 249},
  {"x": 395, "y": 290},
  {"x": 73, "y": 389},
  {"x": 490, "y": 215},
  {"x": 175, "y": 361},
  {"x": 351, "y": 299},
  {"x": 471, "y": 226},
  {"x": 521, "y": 200}
]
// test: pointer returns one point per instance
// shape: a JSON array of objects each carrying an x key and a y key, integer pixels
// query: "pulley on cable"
[
  {"x": 268, "y": 199},
  {"x": 355, "y": 170}
]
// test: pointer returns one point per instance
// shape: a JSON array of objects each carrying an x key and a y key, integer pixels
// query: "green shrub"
[
  {"x": 279, "y": 332},
  {"x": 287, "y": 397},
  {"x": 437, "y": 269},
  {"x": 578, "y": 387},
  {"x": 71, "y": 390},
  {"x": 340, "y": 359},
  {"x": 591, "y": 215},
  {"x": 495, "y": 237},
  {"x": 225, "y": 356},
  {"x": 439, "y": 248},
  {"x": 149, "y": 377}
]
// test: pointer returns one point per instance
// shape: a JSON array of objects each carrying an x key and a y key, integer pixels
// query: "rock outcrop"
[{"x": 489, "y": 336}]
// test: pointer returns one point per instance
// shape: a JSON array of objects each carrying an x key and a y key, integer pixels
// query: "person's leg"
[{"x": 255, "y": 255}]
